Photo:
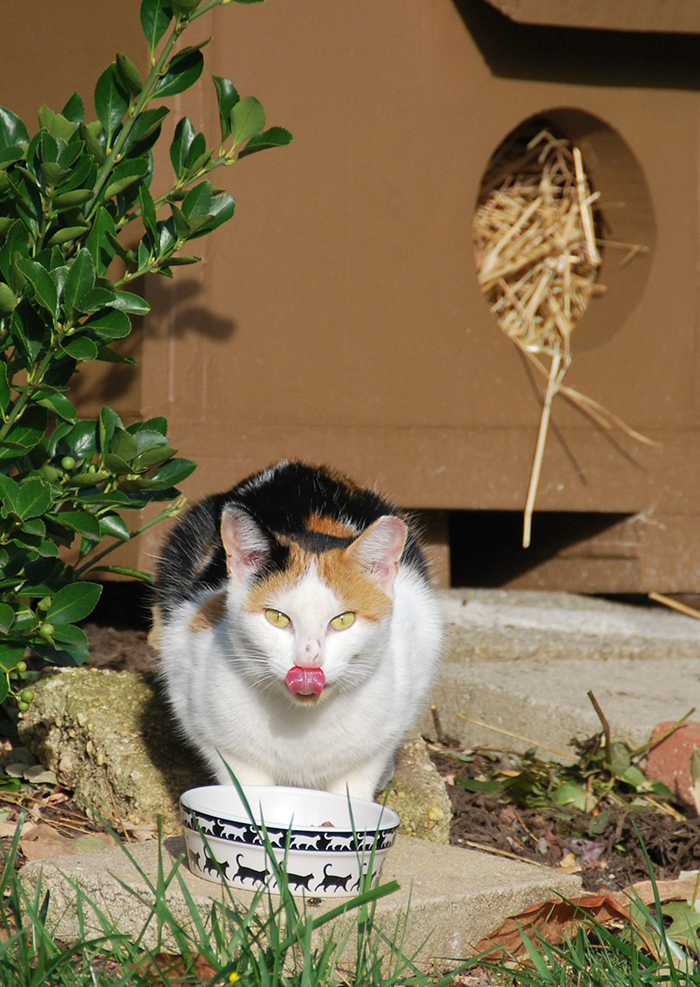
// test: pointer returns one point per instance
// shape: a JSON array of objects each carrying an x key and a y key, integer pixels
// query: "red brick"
[{"x": 669, "y": 761}]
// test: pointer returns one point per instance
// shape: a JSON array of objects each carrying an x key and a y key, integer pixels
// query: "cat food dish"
[
  {"x": 333, "y": 840},
  {"x": 297, "y": 629}
]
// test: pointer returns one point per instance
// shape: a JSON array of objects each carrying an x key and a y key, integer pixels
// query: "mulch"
[{"x": 567, "y": 838}]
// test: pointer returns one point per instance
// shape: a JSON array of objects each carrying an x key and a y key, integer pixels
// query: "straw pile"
[
  {"x": 535, "y": 244},
  {"x": 537, "y": 261}
]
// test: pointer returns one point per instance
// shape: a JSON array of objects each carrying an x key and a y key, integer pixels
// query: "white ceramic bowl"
[{"x": 333, "y": 839}]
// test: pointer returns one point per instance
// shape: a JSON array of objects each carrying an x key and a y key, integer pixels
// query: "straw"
[{"x": 537, "y": 261}]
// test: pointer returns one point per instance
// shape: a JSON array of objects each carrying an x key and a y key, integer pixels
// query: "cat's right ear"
[{"x": 247, "y": 548}]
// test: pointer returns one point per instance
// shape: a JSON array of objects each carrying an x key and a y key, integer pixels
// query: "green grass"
[{"x": 273, "y": 942}]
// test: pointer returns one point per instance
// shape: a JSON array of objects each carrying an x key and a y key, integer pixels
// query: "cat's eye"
[
  {"x": 343, "y": 621},
  {"x": 277, "y": 618}
]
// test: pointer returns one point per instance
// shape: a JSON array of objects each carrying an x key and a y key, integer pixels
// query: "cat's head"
[{"x": 315, "y": 607}]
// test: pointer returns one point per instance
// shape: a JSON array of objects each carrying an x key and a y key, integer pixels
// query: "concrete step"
[
  {"x": 456, "y": 896},
  {"x": 522, "y": 662}
]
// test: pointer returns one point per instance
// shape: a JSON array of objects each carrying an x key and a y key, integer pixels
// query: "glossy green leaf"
[
  {"x": 127, "y": 301},
  {"x": 109, "y": 422},
  {"x": 74, "y": 109},
  {"x": 72, "y": 645},
  {"x": 159, "y": 425},
  {"x": 170, "y": 474},
  {"x": 85, "y": 523},
  {"x": 9, "y": 492},
  {"x": 110, "y": 325},
  {"x": 180, "y": 145},
  {"x": 11, "y": 653},
  {"x": 60, "y": 405},
  {"x": 80, "y": 441},
  {"x": 12, "y": 129},
  {"x": 114, "y": 526},
  {"x": 57, "y": 125},
  {"x": 570, "y": 794},
  {"x": 125, "y": 175},
  {"x": 8, "y": 299},
  {"x": 41, "y": 281},
  {"x": 197, "y": 202},
  {"x": 247, "y": 119},
  {"x": 156, "y": 15},
  {"x": 111, "y": 100},
  {"x": 98, "y": 242},
  {"x": 96, "y": 299},
  {"x": 183, "y": 70},
  {"x": 221, "y": 210},
  {"x": 129, "y": 75},
  {"x": 91, "y": 133},
  {"x": 274, "y": 137},
  {"x": 7, "y": 616},
  {"x": 73, "y": 602},
  {"x": 68, "y": 200},
  {"x": 107, "y": 355},
  {"x": 81, "y": 348},
  {"x": 123, "y": 444},
  {"x": 66, "y": 235},
  {"x": 227, "y": 95},
  {"x": 145, "y": 131},
  {"x": 80, "y": 280},
  {"x": 117, "y": 464},
  {"x": 34, "y": 498},
  {"x": 26, "y": 434},
  {"x": 152, "y": 457}
]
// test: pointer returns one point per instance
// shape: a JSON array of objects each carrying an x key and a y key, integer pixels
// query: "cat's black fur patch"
[{"x": 281, "y": 501}]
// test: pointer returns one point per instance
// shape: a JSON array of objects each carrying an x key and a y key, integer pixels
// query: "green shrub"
[{"x": 67, "y": 195}]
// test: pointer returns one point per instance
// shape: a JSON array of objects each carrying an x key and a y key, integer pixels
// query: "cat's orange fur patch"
[
  {"x": 210, "y": 613},
  {"x": 358, "y": 591},
  {"x": 262, "y": 592},
  {"x": 355, "y": 590},
  {"x": 324, "y": 525}
]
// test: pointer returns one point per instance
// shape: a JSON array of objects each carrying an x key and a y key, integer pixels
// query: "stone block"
[{"x": 669, "y": 761}]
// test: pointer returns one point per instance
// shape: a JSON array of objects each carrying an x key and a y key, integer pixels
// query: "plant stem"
[
  {"x": 172, "y": 510},
  {"x": 145, "y": 95}
]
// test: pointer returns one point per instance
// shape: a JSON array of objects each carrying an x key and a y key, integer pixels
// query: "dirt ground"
[{"x": 568, "y": 839}]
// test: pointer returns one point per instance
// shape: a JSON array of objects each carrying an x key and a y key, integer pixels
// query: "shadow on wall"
[
  {"x": 582, "y": 56},
  {"x": 486, "y": 546},
  {"x": 178, "y": 309}
]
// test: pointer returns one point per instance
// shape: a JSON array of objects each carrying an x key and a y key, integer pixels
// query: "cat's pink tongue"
[{"x": 305, "y": 681}]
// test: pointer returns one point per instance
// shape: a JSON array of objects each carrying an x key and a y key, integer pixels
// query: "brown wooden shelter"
[{"x": 338, "y": 317}]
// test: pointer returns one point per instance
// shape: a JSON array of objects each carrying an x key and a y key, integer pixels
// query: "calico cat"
[{"x": 299, "y": 633}]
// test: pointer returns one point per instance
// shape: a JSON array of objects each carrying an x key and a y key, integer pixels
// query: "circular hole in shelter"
[{"x": 563, "y": 228}]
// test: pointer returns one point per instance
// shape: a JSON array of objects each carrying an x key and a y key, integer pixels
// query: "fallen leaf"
[
  {"x": 41, "y": 840},
  {"x": 552, "y": 921},
  {"x": 37, "y": 774},
  {"x": 569, "y": 864},
  {"x": 157, "y": 968},
  {"x": 682, "y": 889},
  {"x": 685, "y": 924}
]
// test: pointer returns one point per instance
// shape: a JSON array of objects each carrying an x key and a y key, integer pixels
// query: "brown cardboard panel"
[
  {"x": 338, "y": 318},
  {"x": 51, "y": 48},
  {"x": 621, "y": 15}
]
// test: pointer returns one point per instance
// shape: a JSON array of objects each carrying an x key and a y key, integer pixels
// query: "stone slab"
[
  {"x": 456, "y": 896},
  {"x": 522, "y": 662}
]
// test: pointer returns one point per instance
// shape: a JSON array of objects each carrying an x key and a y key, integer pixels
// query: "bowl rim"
[{"x": 388, "y": 818}]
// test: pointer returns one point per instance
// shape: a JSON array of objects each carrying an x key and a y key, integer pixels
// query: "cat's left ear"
[
  {"x": 378, "y": 550},
  {"x": 247, "y": 548}
]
